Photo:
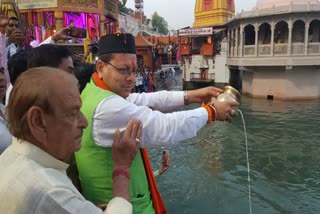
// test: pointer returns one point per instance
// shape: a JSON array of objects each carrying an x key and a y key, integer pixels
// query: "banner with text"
[
  {"x": 33, "y": 4},
  {"x": 195, "y": 31}
]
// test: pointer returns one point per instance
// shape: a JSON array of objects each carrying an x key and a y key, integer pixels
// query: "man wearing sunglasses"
[{"x": 108, "y": 103}]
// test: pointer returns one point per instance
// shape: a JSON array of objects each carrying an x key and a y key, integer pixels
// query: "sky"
[{"x": 179, "y": 13}]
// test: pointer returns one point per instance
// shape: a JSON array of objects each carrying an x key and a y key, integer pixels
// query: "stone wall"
[{"x": 280, "y": 83}]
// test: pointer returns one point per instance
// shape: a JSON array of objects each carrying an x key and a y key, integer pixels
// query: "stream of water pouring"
[{"x": 248, "y": 164}]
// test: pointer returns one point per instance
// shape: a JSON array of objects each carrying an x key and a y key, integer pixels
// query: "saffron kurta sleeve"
[{"x": 159, "y": 129}]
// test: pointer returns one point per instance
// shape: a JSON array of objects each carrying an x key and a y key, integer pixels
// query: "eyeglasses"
[
  {"x": 13, "y": 25},
  {"x": 124, "y": 71}
]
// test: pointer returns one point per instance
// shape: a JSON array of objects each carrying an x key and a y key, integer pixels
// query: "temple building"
[
  {"x": 204, "y": 46},
  {"x": 275, "y": 49}
]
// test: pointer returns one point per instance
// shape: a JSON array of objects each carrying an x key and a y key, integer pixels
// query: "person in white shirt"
[
  {"x": 9, "y": 33},
  {"x": 5, "y": 136},
  {"x": 45, "y": 119}
]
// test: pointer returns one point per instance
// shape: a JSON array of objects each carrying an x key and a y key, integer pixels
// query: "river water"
[{"x": 208, "y": 173}]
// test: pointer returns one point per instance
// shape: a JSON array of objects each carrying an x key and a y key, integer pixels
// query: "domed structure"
[
  {"x": 212, "y": 12},
  {"x": 261, "y": 4}
]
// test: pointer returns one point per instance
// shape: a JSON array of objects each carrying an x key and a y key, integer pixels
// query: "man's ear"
[
  {"x": 99, "y": 67},
  {"x": 37, "y": 123}
]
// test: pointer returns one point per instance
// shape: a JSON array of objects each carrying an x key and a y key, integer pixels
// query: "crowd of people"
[
  {"x": 145, "y": 81},
  {"x": 166, "y": 53},
  {"x": 74, "y": 137}
]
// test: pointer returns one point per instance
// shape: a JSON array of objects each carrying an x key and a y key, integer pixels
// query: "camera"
[{"x": 94, "y": 48}]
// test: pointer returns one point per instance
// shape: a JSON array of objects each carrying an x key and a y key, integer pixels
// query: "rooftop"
[{"x": 281, "y": 8}]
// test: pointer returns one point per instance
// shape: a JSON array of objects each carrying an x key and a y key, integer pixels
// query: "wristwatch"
[{"x": 185, "y": 97}]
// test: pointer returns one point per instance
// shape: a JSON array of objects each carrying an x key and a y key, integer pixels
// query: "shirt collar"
[{"x": 38, "y": 155}]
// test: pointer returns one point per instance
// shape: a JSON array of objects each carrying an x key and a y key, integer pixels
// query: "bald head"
[{"x": 35, "y": 87}]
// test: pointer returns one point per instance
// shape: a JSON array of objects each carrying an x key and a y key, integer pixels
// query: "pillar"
[
  {"x": 241, "y": 41},
  {"x": 237, "y": 39},
  {"x": 232, "y": 43},
  {"x": 256, "y": 29},
  {"x": 290, "y": 38},
  {"x": 306, "y": 38},
  {"x": 59, "y": 18},
  {"x": 229, "y": 43},
  {"x": 102, "y": 29},
  {"x": 272, "y": 39}
]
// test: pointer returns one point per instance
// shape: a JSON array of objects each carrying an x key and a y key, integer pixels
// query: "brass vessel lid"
[{"x": 232, "y": 90}]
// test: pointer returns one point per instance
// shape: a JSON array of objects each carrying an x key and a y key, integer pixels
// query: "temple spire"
[{"x": 212, "y": 12}]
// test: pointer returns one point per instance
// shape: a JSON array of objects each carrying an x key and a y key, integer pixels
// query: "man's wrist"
[
  {"x": 121, "y": 171},
  {"x": 160, "y": 171},
  {"x": 55, "y": 38},
  {"x": 185, "y": 97}
]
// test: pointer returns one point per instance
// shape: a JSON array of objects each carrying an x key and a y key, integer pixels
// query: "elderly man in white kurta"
[{"x": 48, "y": 130}]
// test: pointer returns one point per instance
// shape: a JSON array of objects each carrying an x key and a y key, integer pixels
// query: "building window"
[{"x": 207, "y": 5}]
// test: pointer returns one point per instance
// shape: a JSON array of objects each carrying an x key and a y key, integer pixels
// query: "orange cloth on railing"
[{"x": 157, "y": 201}]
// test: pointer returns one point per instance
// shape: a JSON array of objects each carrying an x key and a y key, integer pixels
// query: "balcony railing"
[
  {"x": 249, "y": 50},
  {"x": 281, "y": 49},
  {"x": 264, "y": 50},
  {"x": 314, "y": 48},
  {"x": 297, "y": 49}
]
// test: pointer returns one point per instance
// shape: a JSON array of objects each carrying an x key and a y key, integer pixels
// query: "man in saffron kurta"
[{"x": 107, "y": 104}]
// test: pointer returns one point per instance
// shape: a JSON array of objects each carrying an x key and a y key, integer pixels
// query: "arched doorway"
[
  {"x": 314, "y": 37},
  {"x": 281, "y": 35},
  {"x": 264, "y": 39},
  {"x": 298, "y": 34},
  {"x": 249, "y": 40}
]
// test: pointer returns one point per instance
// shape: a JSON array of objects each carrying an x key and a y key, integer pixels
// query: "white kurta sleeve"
[
  {"x": 48, "y": 40},
  {"x": 119, "y": 206},
  {"x": 62, "y": 200},
  {"x": 159, "y": 129},
  {"x": 163, "y": 101}
]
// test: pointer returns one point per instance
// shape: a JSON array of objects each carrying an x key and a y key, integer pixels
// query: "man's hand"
[
  {"x": 3, "y": 23},
  {"x": 61, "y": 34},
  {"x": 223, "y": 109},
  {"x": 17, "y": 37},
  {"x": 124, "y": 148},
  {"x": 203, "y": 95},
  {"x": 165, "y": 162}
]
